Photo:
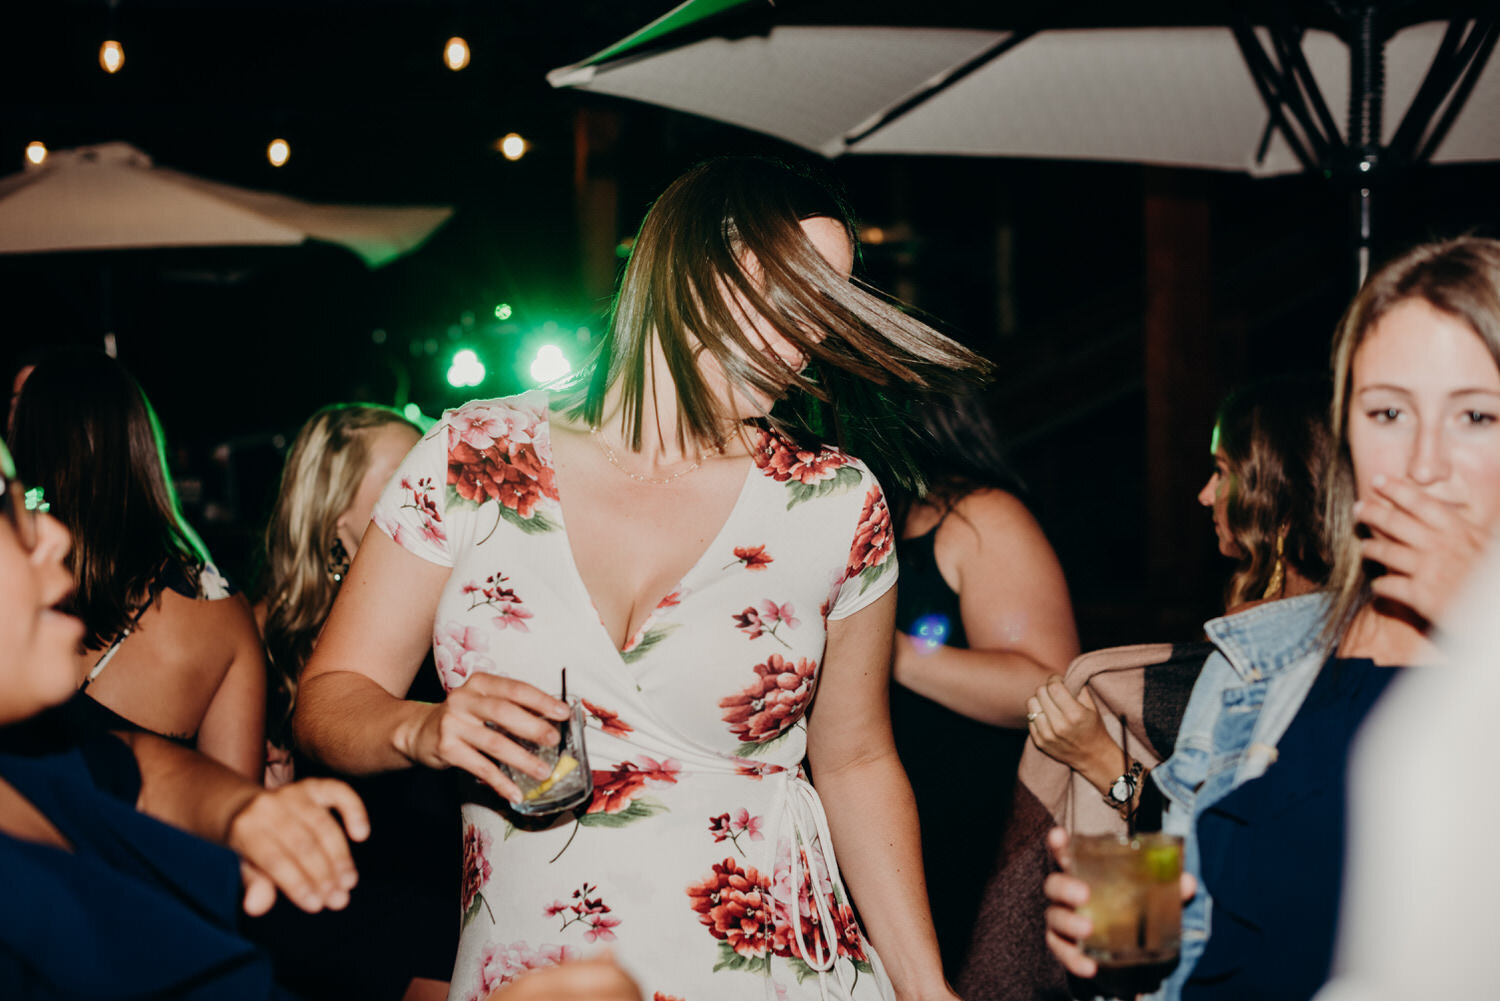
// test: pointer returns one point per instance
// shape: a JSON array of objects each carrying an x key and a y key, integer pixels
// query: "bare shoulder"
[
  {"x": 990, "y": 518},
  {"x": 204, "y": 624}
]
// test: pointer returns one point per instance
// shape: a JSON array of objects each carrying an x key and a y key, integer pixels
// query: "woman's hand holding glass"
[
  {"x": 1426, "y": 546},
  {"x": 1066, "y": 893},
  {"x": 473, "y": 728}
]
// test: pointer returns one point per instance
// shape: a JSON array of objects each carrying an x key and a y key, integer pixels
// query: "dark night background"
[{"x": 1060, "y": 271}]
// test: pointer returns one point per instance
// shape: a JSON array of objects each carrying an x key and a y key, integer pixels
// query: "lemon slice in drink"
[{"x": 565, "y": 765}]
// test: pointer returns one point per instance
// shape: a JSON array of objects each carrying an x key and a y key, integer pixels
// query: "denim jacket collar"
[{"x": 1262, "y": 642}]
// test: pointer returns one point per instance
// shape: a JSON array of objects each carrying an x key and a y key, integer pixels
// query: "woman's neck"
[{"x": 1390, "y": 635}]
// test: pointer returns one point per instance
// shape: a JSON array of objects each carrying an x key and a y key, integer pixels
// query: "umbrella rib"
[
  {"x": 1482, "y": 51},
  {"x": 1436, "y": 85},
  {"x": 1289, "y": 44},
  {"x": 936, "y": 86},
  {"x": 1262, "y": 73}
]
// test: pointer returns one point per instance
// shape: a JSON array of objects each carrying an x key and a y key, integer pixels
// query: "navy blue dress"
[
  {"x": 1273, "y": 851},
  {"x": 136, "y": 910}
]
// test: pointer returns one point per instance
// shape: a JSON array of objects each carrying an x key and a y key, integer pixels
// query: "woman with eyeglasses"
[{"x": 167, "y": 647}]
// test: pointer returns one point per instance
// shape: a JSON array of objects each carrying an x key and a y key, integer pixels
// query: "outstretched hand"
[
  {"x": 1427, "y": 547},
  {"x": 289, "y": 839}
]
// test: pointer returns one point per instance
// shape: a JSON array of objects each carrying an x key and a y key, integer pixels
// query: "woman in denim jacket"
[{"x": 1411, "y": 495}]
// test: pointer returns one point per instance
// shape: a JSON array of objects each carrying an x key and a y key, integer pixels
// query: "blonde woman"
[
  {"x": 399, "y": 922},
  {"x": 1256, "y": 782}
]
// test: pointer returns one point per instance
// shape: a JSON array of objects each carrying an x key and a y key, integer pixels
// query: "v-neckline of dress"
[{"x": 714, "y": 544}]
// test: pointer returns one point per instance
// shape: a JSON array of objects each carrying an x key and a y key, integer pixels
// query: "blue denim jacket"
[{"x": 1242, "y": 703}]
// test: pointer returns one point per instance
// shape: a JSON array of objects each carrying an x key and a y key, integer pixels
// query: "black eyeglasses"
[{"x": 22, "y": 506}]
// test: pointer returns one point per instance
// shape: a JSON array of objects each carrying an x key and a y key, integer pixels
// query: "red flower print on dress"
[
  {"x": 659, "y": 996},
  {"x": 429, "y": 528},
  {"x": 795, "y": 909},
  {"x": 615, "y": 790},
  {"x": 460, "y": 651},
  {"x": 589, "y": 910},
  {"x": 670, "y": 601},
  {"x": 784, "y": 460},
  {"x": 504, "y": 454},
  {"x": 609, "y": 722},
  {"x": 774, "y": 703},
  {"x": 766, "y": 620},
  {"x": 493, "y": 592},
  {"x": 756, "y": 769},
  {"x": 750, "y": 557},
  {"x": 477, "y": 872},
  {"x": 873, "y": 540},
  {"x": 504, "y": 962},
  {"x": 733, "y": 903},
  {"x": 731, "y": 828}
]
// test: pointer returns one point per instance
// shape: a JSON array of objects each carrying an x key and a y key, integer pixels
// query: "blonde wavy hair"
[
  {"x": 323, "y": 471},
  {"x": 1461, "y": 277}
]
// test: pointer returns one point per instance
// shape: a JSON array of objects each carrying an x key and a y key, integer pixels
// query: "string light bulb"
[
  {"x": 278, "y": 152},
  {"x": 36, "y": 152},
  {"x": 111, "y": 56},
  {"x": 455, "y": 53},
  {"x": 512, "y": 146}
]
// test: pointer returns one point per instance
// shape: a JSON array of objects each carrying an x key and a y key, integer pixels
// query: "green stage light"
[
  {"x": 549, "y": 365},
  {"x": 503, "y": 311},
  {"x": 466, "y": 370},
  {"x": 413, "y": 412}
]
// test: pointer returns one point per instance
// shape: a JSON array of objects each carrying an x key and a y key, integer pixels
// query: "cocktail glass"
[
  {"x": 571, "y": 782},
  {"x": 1134, "y": 900}
]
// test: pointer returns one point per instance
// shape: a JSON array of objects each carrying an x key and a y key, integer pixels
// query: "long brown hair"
[
  {"x": 323, "y": 472},
  {"x": 1275, "y": 440},
  {"x": 85, "y": 433},
  {"x": 1460, "y": 277},
  {"x": 729, "y": 230}
]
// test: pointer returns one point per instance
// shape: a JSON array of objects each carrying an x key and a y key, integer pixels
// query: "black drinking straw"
[{"x": 1130, "y": 802}]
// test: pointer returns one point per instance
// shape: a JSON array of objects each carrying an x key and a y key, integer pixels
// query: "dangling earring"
[
  {"x": 338, "y": 560},
  {"x": 1277, "y": 582}
]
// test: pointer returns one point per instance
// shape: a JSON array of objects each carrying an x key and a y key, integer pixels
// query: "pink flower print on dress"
[
  {"x": 504, "y": 962},
  {"x": 459, "y": 652},
  {"x": 732, "y": 828},
  {"x": 495, "y": 594},
  {"x": 766, "y": 620},
  {"x": 477, "y": 871},
  {"x": 429, "y": 527},
  {"x": 775, "y": 702},
  {"x": 503, "y": 454},
  {"x": 589, "y": 910}
]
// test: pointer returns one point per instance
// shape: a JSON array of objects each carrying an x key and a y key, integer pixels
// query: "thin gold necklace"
[{"x": 661, "y": 481}]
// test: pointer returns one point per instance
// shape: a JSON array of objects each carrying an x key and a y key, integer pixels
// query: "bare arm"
[
  {"x": 350, "y": 710},
  {"x": 287, "y": 839},
  {"x": 859, "y": 777},
  {"x": 234, "y": 726},
  {"x": 1015, "y": 609}
]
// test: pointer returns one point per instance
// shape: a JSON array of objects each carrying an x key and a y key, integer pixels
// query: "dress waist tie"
[{"x": 802, "y": 811}]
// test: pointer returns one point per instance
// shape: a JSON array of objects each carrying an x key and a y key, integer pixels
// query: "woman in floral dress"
[{"x": 702, "y": 567}]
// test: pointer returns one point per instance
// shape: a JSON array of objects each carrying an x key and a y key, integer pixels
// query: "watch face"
[{"x": 1120, "y": 791}]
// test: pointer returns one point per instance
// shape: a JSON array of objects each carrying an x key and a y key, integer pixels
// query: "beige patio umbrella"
[{"x": 112, "y": 197}]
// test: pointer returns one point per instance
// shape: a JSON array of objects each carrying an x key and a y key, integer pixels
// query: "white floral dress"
[{"x": 703, "y": 860}]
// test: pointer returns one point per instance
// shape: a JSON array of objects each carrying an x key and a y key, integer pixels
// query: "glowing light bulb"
[
  {"x": 512, "y": 146},
  {"x": 466, "y": 370},
  {"x": 111, "y": 56},
  {"x": 455, "y": 53},
  {"x": 278, "y": 152},
  {"x": 549, "y": 364},
  {"x": 36, "y": 152}
]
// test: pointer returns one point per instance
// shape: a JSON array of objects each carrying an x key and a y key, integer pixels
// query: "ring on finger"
[{"x": 1031, "y": 717}]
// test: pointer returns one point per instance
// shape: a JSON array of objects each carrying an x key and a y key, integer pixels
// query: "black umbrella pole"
[{"x": 1363, "y": 205}]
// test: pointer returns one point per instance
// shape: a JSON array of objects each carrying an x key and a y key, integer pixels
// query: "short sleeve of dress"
[
  {"x": 412, "y": 510},
  {"x": 871, "y": 570}
]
